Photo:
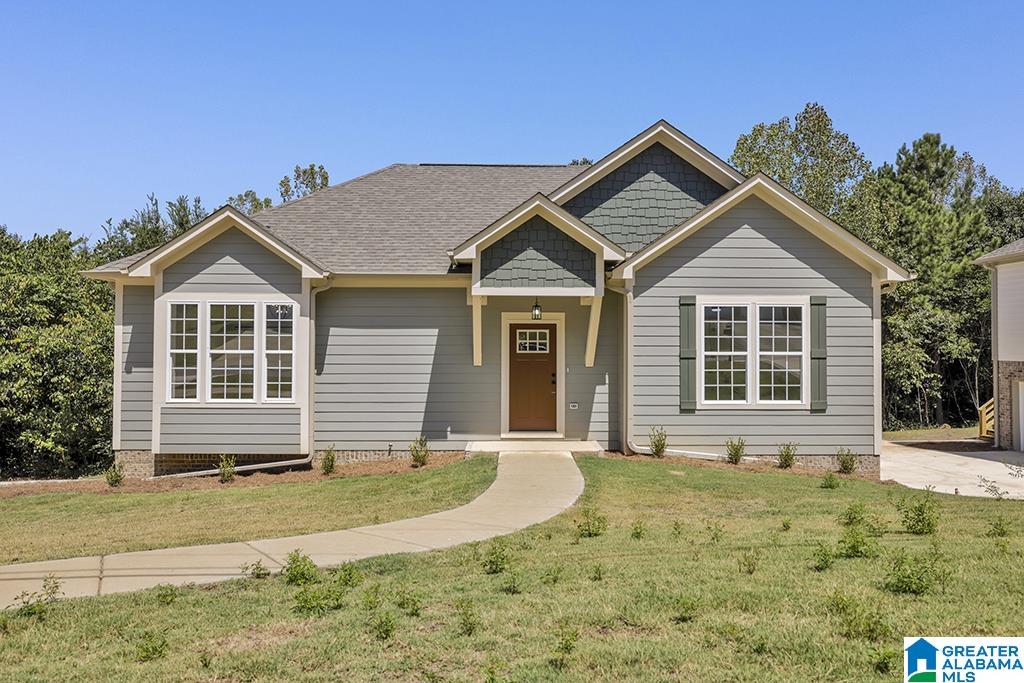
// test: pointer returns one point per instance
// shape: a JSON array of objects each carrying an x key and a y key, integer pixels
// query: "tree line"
[{"x": 932, "y": 209}]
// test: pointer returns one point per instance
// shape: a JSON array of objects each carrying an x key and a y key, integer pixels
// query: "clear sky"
[{"x": 104, "y": 103}]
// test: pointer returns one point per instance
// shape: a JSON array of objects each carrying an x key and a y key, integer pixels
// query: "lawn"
[
  {"x": 933, "y": 434},
  {"x": 57, "y": 525},
  {"x": 704, "y": 573}
]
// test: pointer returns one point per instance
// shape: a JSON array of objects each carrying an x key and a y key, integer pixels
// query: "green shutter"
[
  {"x": 687, "y": 354},
  {"x": 819, "y": 355}
]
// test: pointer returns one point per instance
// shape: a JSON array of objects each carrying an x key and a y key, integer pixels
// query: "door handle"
[{"x": 554, "y": 378}]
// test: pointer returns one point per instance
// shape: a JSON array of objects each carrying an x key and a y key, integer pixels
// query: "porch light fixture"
[{"x": 536, "y": 312}]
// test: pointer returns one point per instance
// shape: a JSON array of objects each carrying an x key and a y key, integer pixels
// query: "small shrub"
[
  {"x": 855, "y": 513},
  {"x": 35, "y": 604},
  {"x": 857, "y": 619},
  {"x": 299, "y": 570},
  {"x": 328, "y": 461},
  {"x": 876, "y": 526},
  {"x": 998, "y": 527},
  {"x": 591, "y": 525},
  {"x": 787, "y": 455},
  {"x": 319, "y": 599},
  {"x": 226, "y": 469},
  {"x": 855, "y": 542},
  {"x": 824, "y": 557},
  {"x": 114, "y": 475},
  {"x": 597, "y": 572},
  {"x": 1002, "y": 545},
  {"x": 513, "y": 583},
  {"x": 166, "y": 594},
  {"x": 915, "y": 574},
  {"x": 677, "y": 529},
  {"x": 685, "y": 609},
  {"x": 551, "y": 576},
  {"x": 372, "y": 599},
  {"x": 830, "y": 481},
  {"x": 887, "y": 661},
  {"x": 565, "y": 645},
  {"x": 347, "y": 575},
  {"x": 716, "y": 530},
  {"x": 846, "y": 460},
  {"x": 991, "y": 487},
  {"x": 638, "y": 531},
  {"x": 382, "y": 625},
  {"x": 749, "y": 561},
  {"x": 498, "y": 558},
  {"x": 255, "y": 570},
  {"x": 152, "y": 645},
  {"x": 420, "y": 451},
  {"x": 734, "y": 450},
  {"x": 658, "y": 440},
  {"x": 468, "y": 621},
  {"x": 409, "y": 602},
  {"x": 787, "y": 524},
  {"x": 919, "y": 513}
]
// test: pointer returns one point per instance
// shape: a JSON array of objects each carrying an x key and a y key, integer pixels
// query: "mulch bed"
[
  {"x": 752, "y": 466},
  {"x": 242, "y": 480}
]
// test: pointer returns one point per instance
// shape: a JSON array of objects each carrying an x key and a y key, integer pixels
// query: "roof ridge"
[
  {"x": 329, "y": 187},
  {"x": 502, "y": 165}
]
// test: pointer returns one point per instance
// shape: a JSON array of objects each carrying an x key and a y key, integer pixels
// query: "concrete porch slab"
[{"x": 533, "y": 446}]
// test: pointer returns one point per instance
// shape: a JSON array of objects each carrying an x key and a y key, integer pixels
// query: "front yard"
[{"x": 703, "y": 573}]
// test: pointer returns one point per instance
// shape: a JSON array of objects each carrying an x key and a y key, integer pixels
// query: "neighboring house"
[
  {"x": 657, "y": 287},
  {"x": 1007, "y": 267}
]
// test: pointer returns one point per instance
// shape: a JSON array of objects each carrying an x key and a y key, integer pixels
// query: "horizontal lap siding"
[
  {"x": 136, "y": 367},
  {"x": 754, "y": 250},
  {"x": 233, "y": 430},
  {"x": 232, "y": 263}
]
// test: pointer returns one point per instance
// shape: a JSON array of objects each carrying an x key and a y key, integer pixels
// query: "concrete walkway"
[
  {"x": 952, "y": 470},
  {"x": 529, "y": 488}
]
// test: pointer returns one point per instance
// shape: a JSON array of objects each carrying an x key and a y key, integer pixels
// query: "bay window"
[
  {"x": 232, "y": 352},
  {"x": 184, "y": 352}
]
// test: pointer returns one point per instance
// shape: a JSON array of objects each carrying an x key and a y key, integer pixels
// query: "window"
[
  {"x": 232, "y": 352},
  {"x": 531, "y": 341},
  {"x": 184, "y": 349},
  {"x": 725, "y": 354},
  {"x": 780, "y": 347},
  {"x": 278, "y": 351}
]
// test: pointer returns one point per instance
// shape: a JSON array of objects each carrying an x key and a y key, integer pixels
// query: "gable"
[
  {"x": 644, "y": 197},
  {"x": 537, "y": 254},
  {"x": 232, "y": 262}
]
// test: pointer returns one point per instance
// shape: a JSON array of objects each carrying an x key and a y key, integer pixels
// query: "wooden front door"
[{"x": 532, "y": 378}]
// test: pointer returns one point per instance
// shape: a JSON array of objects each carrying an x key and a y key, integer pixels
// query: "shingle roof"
[
  {"x": 120, "y": 264},
  {"x": 403, "y": 218},
  {"x": 1007, "y": 252}
]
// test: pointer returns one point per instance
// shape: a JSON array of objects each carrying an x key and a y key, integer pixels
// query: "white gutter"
[{"x": 277, "y": 463}]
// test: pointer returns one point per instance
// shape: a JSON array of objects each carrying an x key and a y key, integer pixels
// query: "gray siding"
[
  {"x": 232, "y": 262},
  {"x": 136, "y": 368},
  {"x": 229, "y": 429},
  {"x": 537, "y": 254},
  {"x": 754, "y": 250},
  {"x": 392, "y": 364},
  {"x": 644, "y": 198}
]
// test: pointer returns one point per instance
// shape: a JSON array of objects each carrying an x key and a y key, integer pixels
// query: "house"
[
  {"x": 1006, "y": 266},
  {"x": 921, "y": 656},
  {"x": 657, "y": 287}
]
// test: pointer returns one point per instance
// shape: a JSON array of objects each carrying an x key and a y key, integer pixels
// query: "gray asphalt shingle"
[{"x": 1007, "y": 251}]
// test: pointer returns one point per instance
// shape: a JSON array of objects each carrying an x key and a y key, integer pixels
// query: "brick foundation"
[
  {"x": 1008, "y": 374},
  {"x": 136, "y": 464}
]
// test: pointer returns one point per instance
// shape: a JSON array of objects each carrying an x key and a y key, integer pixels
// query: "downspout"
[
  {"x": 309, "y": 406},
  {"x": 627, "y": 293}
]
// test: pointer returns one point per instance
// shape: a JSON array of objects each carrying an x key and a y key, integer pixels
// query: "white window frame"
[
  {"x": 803, "y": 353},
  {"x": 546, "y": 339},
  {"x": 256, "y": 351},
  {"x": 290, "y": 352},
  {"x": 169, "y": 352},
  {"x": 753, "y": 351}
]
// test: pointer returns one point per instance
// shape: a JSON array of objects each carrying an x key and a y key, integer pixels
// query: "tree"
[
  {"x": 819, "y": 163},
  {"x": 249, "y": 202},
  {"x": 582, "y": 161},
  {"x": 148, "y": 227},
  {"x": 305, "y": 181}
]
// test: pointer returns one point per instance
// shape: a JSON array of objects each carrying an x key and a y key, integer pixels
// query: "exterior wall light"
[{"x": 536, "y": 312}]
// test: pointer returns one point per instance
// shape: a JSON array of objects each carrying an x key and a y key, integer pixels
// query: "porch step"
[{"x": 533, "y": 446}]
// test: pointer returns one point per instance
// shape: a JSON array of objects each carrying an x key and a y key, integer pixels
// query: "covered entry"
[{"x": 533, "y": 377}]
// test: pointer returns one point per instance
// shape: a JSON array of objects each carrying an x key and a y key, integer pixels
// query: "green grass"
[
  {"x": 933, "y": 434},
  {"x": 670, "y": 605},
  {"x": 58, "y": 525}
]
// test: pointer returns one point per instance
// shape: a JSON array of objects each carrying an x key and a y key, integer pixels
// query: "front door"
[{"x": 532, "y": 378}]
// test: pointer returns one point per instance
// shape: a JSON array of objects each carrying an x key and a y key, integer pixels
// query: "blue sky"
[{"x": 104, "y": 103}]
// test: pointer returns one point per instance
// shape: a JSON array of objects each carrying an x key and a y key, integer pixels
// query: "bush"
[
  {"x": 382, "y": 626},
  {"x": 35, "y": 604},
  {"x": 255, "y": 570},
  {"x": 915, "y": 574},
  {"x": 824, "y": 557},
  {"x": 855, "y": 513},
  {"x": 887, "y": 660},
  {"x": 513, "y": 583},
  {"x": 857, "y": 620},
  {"x": 749, "y": 561},
  {"x": 716, "y": 530},
  {"x": 876, "y": 525},
  {"x": 847, "y": 461},
  {"x": 498, "y": 558},
  {"x": 226, "y": 468},
  {"x": 468, "y": 621},
  {"x": 299, "y": 570},
  {"x": 658, "y": 440},
  {"x": 685, "y": 609},
  {"x": 830, "y": 481},
  {"x": 328, "y": 460},
  {"x": 639, "y": 530},
  {"x": 565, "y": 645},
  {"x": 998, "y": 527},
  {"x": 787, "y": 524},
  {"x": 347, "y": 575},
  {"x": 114, "y": 475},
  {"x": 787, "y": 455},
  {"x": 855, "y": 542},
  {"x": 597, "y": 572},
  {"x": 419, "y": 451},
  {"x": 734, "y": 450},
  {"x": 152, "y": 645},
  {"x": 409, "y": 602},
  {"x": 920, "y": 513},
  {"x": 372, "y": 599},
  {"x": 592, "y": 524},
  {"x": 166, "y": 594},
  {"x": 319, "y": 599},
  {"x": 551, "y": 576}
]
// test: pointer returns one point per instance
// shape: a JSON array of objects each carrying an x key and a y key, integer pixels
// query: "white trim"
[
  {"x": 169, "y": 366},
  {"x": 1017, "y": 435},
  {"x": 789, "y": 205},
  {"x": 627, "y": 381},
  {"x": 534, "y": 291},
  {"x": 115, "y": 438},
  {"x": 477, "y": 302},
  {"x": 669, "y": 136},
  {"x": 504, "y": 330},
  {"x": 546, "y": 339},
  {"x": 876, "y": 360},
  {"x": 159, "y": 359},
  {"x": 291, "y": 353},
  {"x": 256, "y": 351},
  {"x": 804, "y": 353},
  {"x": 994, "y": 317}
]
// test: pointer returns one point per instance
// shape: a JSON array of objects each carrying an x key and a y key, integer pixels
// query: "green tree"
[
  {"x": 249, "y": 202},
  {"x": 582, "y": 161},
  {"x": 305, "y": 181},
  {"x": 148, "y": 227}
]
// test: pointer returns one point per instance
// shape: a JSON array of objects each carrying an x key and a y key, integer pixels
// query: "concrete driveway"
[
  {"x": 529, "y": 488},
  {"x": 951, "y": 467}
]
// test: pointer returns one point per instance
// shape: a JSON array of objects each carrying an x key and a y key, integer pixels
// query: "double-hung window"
[
  {"x": 232, "y": 352},
  {"x": 753, "y": 352},
  {"x": 184, "y": 352},
  {"x": 278, "y": 351}
]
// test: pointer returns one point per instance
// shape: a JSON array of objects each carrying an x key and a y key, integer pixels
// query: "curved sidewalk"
[{"x": 529, "y": 488}]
